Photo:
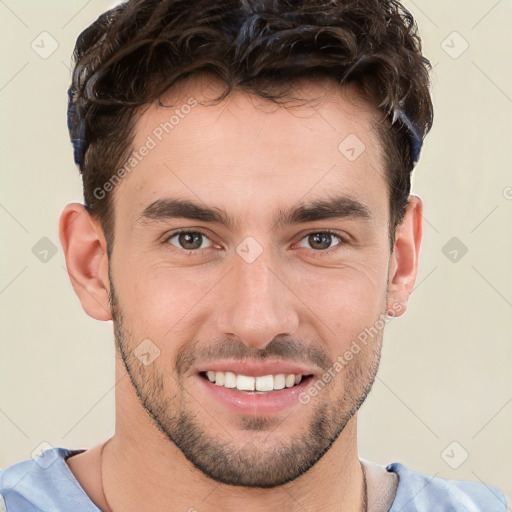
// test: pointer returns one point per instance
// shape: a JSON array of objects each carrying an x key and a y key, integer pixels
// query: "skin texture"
[{"x": 296, "y": 302}]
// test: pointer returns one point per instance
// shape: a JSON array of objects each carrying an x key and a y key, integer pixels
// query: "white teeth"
[
  {"x": 290, "y": 380},
  {"x": 244, "y": 383},
  {"x": 229, "y": 380},
  {"x": 219, "y": 378},
  {"x": 279, "y": 381},
  {"x": 265, "y": 383},
  {"x": 247, "y": 383}
]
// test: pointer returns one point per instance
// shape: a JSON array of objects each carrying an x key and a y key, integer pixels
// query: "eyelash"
[{"x": 343, "y": 241}]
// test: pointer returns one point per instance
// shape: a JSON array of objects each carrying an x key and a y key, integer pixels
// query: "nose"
[{"x": 257, "y": 305}]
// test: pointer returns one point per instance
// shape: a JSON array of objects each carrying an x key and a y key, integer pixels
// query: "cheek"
[
  {"x": 160, "y": 298},
  {"x": 343, "y": 304},
  {"x": 355, "y": 289}
]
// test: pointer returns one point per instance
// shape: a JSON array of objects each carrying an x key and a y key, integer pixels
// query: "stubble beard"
[{"x": 265, "y": 464}]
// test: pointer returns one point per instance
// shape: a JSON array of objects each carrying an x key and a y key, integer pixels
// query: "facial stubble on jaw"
[{"x": 268, "y": 464}]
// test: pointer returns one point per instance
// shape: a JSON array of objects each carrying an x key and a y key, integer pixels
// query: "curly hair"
[{"x": 134, "y": 53}]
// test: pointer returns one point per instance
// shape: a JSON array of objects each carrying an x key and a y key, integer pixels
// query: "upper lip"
[{"x": 256, "y": 368}]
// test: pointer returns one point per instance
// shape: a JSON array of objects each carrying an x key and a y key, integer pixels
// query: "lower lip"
[{"x": 255, "y": 404}]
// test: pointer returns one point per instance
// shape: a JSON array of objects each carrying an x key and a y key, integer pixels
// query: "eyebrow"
[{"x": 340, "y": 207}]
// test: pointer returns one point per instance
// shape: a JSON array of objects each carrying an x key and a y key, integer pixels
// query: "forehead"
[{"x": 247, "y": 154}]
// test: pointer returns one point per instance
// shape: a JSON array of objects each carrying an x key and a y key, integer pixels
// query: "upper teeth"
[{"x": 246, "y": 383}]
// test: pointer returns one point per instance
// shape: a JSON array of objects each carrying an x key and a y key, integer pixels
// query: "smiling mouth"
[{"x": 254, "y": 385}]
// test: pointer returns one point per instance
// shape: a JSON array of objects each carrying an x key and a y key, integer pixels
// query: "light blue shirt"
[{"x": 46, "y": 484}]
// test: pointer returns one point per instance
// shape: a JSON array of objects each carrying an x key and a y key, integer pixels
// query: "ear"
[
  {"x": 85, "y": 250},
  {"x": 403, "y": 265}
]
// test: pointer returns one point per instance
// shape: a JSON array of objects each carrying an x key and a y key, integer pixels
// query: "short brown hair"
[{"x": 131, "y": 55}]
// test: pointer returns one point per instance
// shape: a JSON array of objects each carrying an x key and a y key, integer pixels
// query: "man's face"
[{"x": 265, "y": 293}]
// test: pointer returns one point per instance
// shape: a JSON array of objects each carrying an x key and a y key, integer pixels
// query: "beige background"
[{"x": 446, "y": 367}]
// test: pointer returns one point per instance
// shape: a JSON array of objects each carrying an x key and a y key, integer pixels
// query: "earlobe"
[
  {"x": 85, "y": 250},
  {"x": 403, "y": 265}
]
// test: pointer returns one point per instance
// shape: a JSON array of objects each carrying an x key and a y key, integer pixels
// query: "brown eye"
[
  {"x": 321, "y": 240},
  {"x": 189, "y": 240}
]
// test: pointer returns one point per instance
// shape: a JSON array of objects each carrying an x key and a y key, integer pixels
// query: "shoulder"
[
  {"x": 41, "y": 484},
  {"x": 417, "y": 492}
]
